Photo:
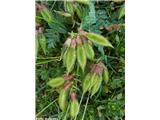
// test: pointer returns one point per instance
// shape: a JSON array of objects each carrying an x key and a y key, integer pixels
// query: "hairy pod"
[
  {"x": 46, "y": 14},
  {"x": 93, "y": 80},
  {"x": 97, "y": 85},
  {"x": 56, "y": 82},
  {"x": 62, "y": 100},
  {"x": 65, "y": 56},
  {"x": 86, "y": 83},
  {"x": 74, "y": 108},
  {"x": 36, "y": 45},
  {"x": 98, "y": 39},
  {"x": 105, "y": 75},
  {"x": 89, "y": 51},
  {"x": 81, "y": 56},
  {"x": 42, "y": 42},
  {"x": 70, "y": 59}
]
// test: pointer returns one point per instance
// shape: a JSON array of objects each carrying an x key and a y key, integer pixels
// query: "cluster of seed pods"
[
  {"x": 80, "y": 48},
  {"x": 94, "y": 78},
  {"x": 77, "y": 48},
  {"x": 66, "y": 83}
]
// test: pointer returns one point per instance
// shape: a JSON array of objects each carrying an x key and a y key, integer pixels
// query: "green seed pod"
[
  {"x": 46, "y": 14},
  {"x": 42, "y": 42},
  {"x": 36, "y": 45},
  {"x": 62, "y": 100},
  {"x": 74, "y": 108},
  {"x": 93, "y": 80},
  {"x": 70, "y": 59},
  {"x": 56, "y": 82},
  {"x": 89, "y": 51},
  {"x": 65, "y": 56},
  {"x": 96, "y": 86},
  {"x": 86, "y": 83},
  {"x": 98, "y": 39},
  {"x": 105, "y": 75},
  {"x": 81, "y": 56}
]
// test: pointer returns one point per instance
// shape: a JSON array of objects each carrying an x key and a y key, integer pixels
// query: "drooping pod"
[
  {"x": 71, "y": 57},
  {"x": 89, "y": 50},
  {"x": 36, "y": 44},
  {"x": 62, "y": 100},
  {"x": 98, "y": 39},
  {"x": 56, "y": 82},
  {"x": 42, "y": 42},
  {"x": 93, "y": 80},
  {"x": 65, "y": 56},
  {"x": 65, "y": 50},
  {"x": 86, "y": 82},
  {"x": 74, "y": 109},
  {"x": 97, "y": 85},
  {"x": 81, "y": 57},
  {"x": 105, "y": 75}
]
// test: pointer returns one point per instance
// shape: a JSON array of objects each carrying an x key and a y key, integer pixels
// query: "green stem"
[
  {"x": 45, "y": 108},
  {"x": 85, "y": 107},
  {"x": 80, "y": 104}
]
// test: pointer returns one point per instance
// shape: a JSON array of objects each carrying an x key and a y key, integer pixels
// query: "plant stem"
[
  {"x": 45, "y": 108},
  {"x": 79, "y": 104},
  {"x": 85, "y": 107}
]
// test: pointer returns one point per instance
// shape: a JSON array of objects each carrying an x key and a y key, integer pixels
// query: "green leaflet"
[
  {"x": 81, "y": 57},
  {"x": 42, "y": 42},
  {"x": 74, "y": 108},
  {"x": 86, "y": 83},
  {"x": 56, "y": 82},
  {"x": 96, "y": 86},
  {"x": 98, "y": 39},
  {"x": 70, "y": 59},
  {"x": 121, "y": 12},
  {"x": 62, "y": 100},
  {"x": 105, "y": 75},
  {"x": 46, "y": 14},
  {"x": 89, "y": 51}
]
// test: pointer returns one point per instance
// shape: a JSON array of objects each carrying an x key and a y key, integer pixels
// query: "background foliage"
[{"x": 100, "y": 17}]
